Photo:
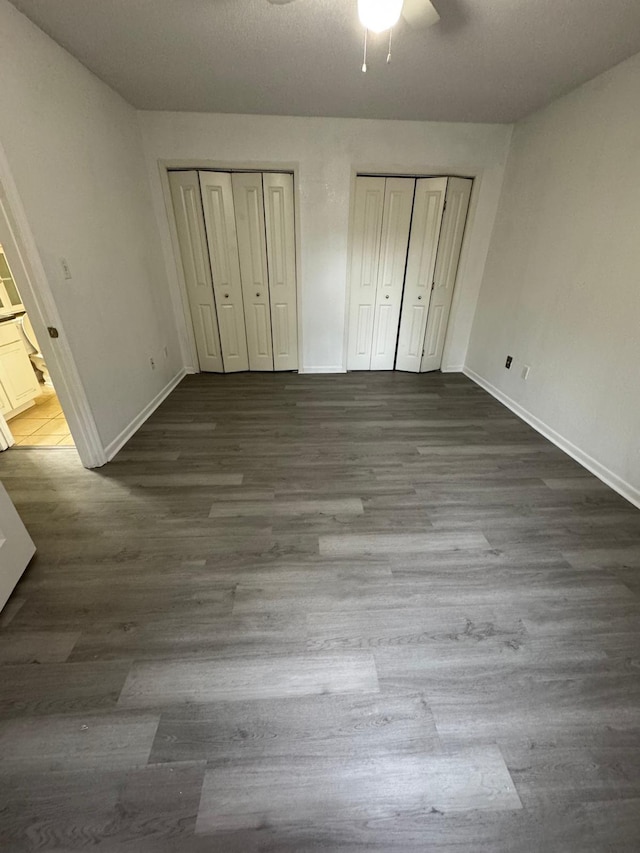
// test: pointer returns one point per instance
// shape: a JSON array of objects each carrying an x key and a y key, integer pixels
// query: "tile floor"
[{"x": 43, "y": 425}]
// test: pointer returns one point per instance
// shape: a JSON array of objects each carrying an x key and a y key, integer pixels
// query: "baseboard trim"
[
  {"x": 114, "y": 446},
  {"x": 457, "y": 368},
  {"x": 597, "y": 468},
  {"x": 335, "y": 369}
]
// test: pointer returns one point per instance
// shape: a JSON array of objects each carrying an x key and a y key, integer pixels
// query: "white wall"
[
  {"x": 74, "y": 151},
  {"x": 326, "y": 153},
  {"x": 561, "y": 290}
]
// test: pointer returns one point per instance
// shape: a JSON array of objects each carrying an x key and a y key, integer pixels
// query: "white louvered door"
[
  {"x": 421, "y": 261},
  {"x": 396, "y": 219},
  {"x": 187, "y": 208},
  {"x": 250, "y": 226},
  {"x": 365, "y": 256},
  {"x": 453, "y": 225},
  {"x": 217, "y": 200},
  {"x": 281, "y": 262}
]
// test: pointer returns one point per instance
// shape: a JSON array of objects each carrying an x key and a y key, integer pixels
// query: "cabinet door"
[
  {"x": 5, "y": 404},
  {"x": 9, "y": 297},
  {"x": 281, "y": 260},
  {"x": 363, "y": 269},
  {"x": 17, "y": 376},
  {"x": 396, "y": 219},
  {"x": 250, "y": 226},
  {"x": 187, "y": 206},
  {"x": 421, "y": 260},
  {"x": 453, "y": 225},
  {"x": 219, "y": 217}
]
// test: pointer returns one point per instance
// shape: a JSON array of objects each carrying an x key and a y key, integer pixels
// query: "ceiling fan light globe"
[{"x": 379, "y": 15}]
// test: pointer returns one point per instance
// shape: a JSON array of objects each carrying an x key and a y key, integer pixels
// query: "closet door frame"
[{"x": 181, "y": 308}]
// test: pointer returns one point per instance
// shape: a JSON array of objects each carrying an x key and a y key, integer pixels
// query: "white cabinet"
[
  {"x": 5, "y": 405},
  {"x": 18, "y": 381},
  {"x": 10, "y": 301}
]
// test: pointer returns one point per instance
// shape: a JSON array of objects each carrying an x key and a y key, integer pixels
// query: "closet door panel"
[
  {"x": 423, "y": 245},
  {"x": 363, "y": 269},
  {"x": 396, "y": 219},
  {"x": 281, "y": 262},
  {"x": 187, "y": 207},
  {"x": 217, "y": 198},
  {"x": 449, "y": 247},
  {"x": 250, "y": 227}
]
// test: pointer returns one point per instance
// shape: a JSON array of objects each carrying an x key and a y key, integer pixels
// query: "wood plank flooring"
[{"x": 362, "y": 612}]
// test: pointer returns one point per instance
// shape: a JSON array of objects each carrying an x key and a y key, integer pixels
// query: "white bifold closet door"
[
  {"x": 444, "y": 279},
  {"x": 250, "y": 226},
  {"x": 421, "y": 262},
  {"x": 281, "y": 261},
  {"x": 219, "y": 217},
  {"x": 405, "y": 246},
  {"x": 237, "y": 243},
  {"x": 380, "y": 237},
  {"x": 187, "y": 208}
]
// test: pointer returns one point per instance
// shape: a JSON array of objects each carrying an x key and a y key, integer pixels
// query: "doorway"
[
  {"x": 405, "y": 249},
  {"x": 36, "y": 296},
  {"x": 236, "y": 236},
  {"x": 28, "y": 401}
]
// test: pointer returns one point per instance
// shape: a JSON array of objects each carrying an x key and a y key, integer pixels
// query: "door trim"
[
  {"x": 26, "y": 264},
  {"x": 179, "y": 293}
]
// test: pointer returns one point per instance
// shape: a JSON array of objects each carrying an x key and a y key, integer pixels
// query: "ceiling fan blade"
[{"x": 419, "y": 14}]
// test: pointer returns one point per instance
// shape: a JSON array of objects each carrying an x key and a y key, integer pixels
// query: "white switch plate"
[
  {"x": 66, "y": 270},
  {"x": 525, "y": 371}
]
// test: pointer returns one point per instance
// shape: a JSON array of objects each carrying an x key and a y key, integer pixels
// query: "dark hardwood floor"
[{"x": 368, "y": 612}]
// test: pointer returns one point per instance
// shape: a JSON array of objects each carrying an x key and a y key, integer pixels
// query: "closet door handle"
[
  {"x": 387, "y": 296},
  {"x": 257, "y": 294},
  {"x": 226, "y": 296},
  {"x": 419, "y": 297}
]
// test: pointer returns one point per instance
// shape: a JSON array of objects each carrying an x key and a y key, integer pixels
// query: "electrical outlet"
[
  {"x": 507, "y": 363},
  {"x": 152, "y": 363},
  {"x": 66, "y": 269},
  {"x": 525, "y": 371}
]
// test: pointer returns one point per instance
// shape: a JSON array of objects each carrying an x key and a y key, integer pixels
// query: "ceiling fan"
[
  {"x": 382, "y": 15},
  {"x": 376, "y": 14}
]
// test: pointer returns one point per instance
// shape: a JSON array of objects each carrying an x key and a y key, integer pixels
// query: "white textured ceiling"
[{"x": 487, "y": 60}]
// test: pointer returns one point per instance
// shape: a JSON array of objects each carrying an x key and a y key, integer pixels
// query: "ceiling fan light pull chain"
[
  {"x": 389, "y": 54},
  {"x": 364, "y": 62}
]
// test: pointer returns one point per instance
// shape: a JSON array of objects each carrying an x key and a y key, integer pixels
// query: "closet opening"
[
  {"x": 405, "y": 249},
  {"x": 236, "y": 238}
]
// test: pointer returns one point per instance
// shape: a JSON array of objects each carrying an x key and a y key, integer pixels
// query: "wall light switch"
[
  {"x": 525, "y": 371},
  {"x": 66, "y": 270}
]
